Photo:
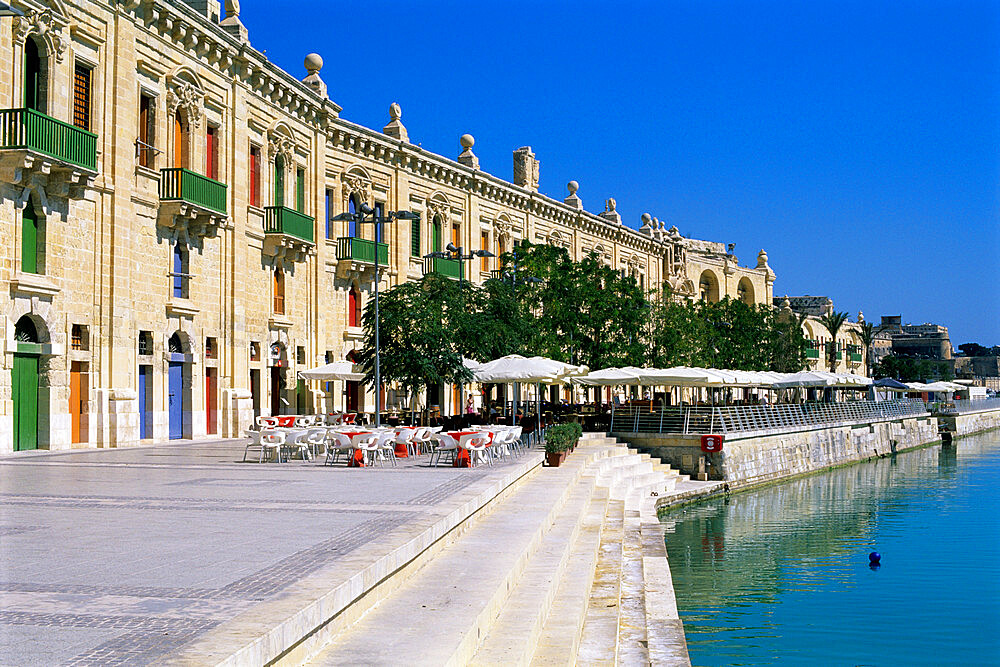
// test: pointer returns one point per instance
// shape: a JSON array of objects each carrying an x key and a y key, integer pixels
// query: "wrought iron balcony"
[
  {"x": 283, "y": 220},
  {"x": 361, "y": 250},
  {"x": 287, "y": 233},
  {"x": 185, "y": 185},
  {"x": 32, "y": 130},
  {"x": 856, "y": 357},
  {"x": 35, "y": 148},
  {"x": 449, "y": 268},
  {"x": 812, "y": 353}
]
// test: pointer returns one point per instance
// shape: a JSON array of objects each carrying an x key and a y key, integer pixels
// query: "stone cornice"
[{"x": 213, "y": 47}]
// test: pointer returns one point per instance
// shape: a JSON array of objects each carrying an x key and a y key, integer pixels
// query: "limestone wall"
[
  {"x": 968, "y": 424},
  {"x": 761, "y": 459}
]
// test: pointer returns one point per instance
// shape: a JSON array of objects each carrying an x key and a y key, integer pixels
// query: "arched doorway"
[
  {"x": 178, "y": 389},
  {"x": 709, "y": 287},
  {"x": 24, "y": 384},
  {"x": 744, "y": 291}
]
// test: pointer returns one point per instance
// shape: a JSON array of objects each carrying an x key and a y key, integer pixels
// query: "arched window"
[
  {"x": 279, "y": 180},
  {"x": 279, "y": 291},
  {"x": 25, "y": 331},
  {"x": 174, "y": 345},
  {"x": 180, "y": 271},
  {"x": 35, "y": 75},
  {"x": 354, "y": 307}
]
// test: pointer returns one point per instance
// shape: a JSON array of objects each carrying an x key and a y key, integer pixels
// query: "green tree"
[
  {"x": 417, "y": 325},
  {"x": 867, "y": 335},
  {"x": 833, "y": 321}
]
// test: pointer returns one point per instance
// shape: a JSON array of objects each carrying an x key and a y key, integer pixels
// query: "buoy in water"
[{"x": 874, "y": 558}]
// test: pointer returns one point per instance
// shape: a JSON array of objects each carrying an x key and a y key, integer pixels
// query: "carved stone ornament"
[
  {"x": 187, "y": 98},
  {"x": 502, "y": 230},
  {"x": 281, "y": 145},
  {"x": 46, "y": 25},
  {"x": 355, "y": 183},
  {"x": 435, "y": 208}
]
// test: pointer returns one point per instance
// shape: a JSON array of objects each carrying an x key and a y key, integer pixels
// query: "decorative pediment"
[
  {"x": 502, "y": 230},
  {"x": 356, "y": 183},
  {"x": 187, "y": 98},
  {"x": 47, "y": 25},
  {"x": 280, "y": 144},
  {"x": 437, "y": 207}
]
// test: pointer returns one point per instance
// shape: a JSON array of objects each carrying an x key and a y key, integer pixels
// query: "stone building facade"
[
  {"x": 850, "y": 350},
  {"x": 167, "y": 198}
]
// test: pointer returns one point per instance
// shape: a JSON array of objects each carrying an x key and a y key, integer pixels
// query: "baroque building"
[{"x": 167, "y": 205}]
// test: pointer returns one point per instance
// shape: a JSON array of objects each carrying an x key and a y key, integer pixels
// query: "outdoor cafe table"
[{"x": 462, "y": 458}]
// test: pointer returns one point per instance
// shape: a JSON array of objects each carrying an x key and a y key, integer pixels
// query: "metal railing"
[
  {"x": 283, "y": 220},
  {"x": 27, "y": 128},
  {"x": 185, "y": 185},
  {"x": 449, "y": 268},
  {"x": 761, "y": 418},
  {"x": 965, "y": 407},
  {"x": 362, "y": 250}
]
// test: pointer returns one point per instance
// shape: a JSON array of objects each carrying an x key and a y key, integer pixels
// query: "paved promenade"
[{"x": 124, "y": 556}]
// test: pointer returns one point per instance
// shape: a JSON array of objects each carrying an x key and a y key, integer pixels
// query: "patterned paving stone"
[{"x": 118, "y": 557}]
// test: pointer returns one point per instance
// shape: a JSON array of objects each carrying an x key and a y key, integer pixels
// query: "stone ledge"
[{"x": 35, "y": 284}]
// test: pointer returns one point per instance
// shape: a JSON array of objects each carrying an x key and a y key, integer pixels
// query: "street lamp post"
[
  {"x": 452, "y": 251},
  {"x": 388, "y": 217}
]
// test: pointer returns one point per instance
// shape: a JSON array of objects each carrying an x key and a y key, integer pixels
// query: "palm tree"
[
  {"x": 867, "y": 336},
  {"x": 833, "y": 321}
]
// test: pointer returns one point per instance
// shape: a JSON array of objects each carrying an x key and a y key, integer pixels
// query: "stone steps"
[{"x": 555, "y": 575}]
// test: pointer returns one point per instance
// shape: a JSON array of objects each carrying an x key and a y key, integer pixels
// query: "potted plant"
[{"x": 559, "y": 439}]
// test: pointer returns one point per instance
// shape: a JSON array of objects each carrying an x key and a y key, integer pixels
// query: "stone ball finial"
[
  {"x": 572, "y": 186},
  {"x": 467, "y": 141},
  {"x": 646, "y": 218},
  {"x": 395, "y": 111},
  {"x": 314, "y": 63}
]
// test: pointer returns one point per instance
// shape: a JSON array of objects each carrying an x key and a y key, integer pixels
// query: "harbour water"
[{"x": 781, "y": 576}]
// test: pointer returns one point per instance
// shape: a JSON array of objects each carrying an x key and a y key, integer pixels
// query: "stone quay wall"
[
  {"x": 761, "y": 459},
  {"x": 974, "y": 422}
]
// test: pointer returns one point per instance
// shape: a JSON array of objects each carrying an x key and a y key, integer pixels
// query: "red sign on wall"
[{"x": 711, "y": 443}]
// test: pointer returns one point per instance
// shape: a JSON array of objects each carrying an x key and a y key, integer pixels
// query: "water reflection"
[{"x": 782, "y": 574}]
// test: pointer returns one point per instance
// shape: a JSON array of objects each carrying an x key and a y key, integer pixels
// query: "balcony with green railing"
[
  {"x": 449, "y": 268},
  {"x": 178, "y": 184},
  {"x": 856, "y": 357},
  {"x": 283, "y": 220},
  {"x": 27, "y": 129},
  {"x": 362, "y": 250},
  {"x": 812, "y": 353}
]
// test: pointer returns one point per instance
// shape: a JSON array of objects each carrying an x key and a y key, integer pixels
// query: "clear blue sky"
[{"x": 858, "y": 142}]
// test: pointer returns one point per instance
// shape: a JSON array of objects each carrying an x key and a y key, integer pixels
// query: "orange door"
[
  {"x": 178, "y": 140},
  {"x": 78, "y": 401}
]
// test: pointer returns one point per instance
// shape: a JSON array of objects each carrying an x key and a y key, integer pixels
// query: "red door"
[{"x": 211, "y": 388}]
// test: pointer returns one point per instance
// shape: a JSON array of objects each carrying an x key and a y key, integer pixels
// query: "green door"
[
  {"x": 436, "y": 229},
  {"x": 25, "y": 391},
  {"x": 279, "y": 181},
  {"x": 29, "y": 239}
]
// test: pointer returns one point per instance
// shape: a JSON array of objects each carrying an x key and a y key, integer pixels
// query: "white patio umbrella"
[
  {"x": 807, "y": 379},
  {"x": 338, "y": 370},
  {"x": 534, "y": 370},
  {"x": 609, "y": 377}
]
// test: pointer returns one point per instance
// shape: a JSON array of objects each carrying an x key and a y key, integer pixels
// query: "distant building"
[{"x": 850, "y": 351}]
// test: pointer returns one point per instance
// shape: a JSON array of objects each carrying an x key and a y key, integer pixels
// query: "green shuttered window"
[
  {"x": 415, "y": 238},
  {"x": 29, "y": 239}
]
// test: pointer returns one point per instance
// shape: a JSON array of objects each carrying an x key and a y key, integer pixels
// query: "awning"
[{"x": 338, "y": 370}]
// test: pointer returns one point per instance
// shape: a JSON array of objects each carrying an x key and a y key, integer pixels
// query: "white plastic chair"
[
  {"x": 316, "y": 440},
  {"x": 299, "y": 442},
  {"x": 272, "y": 440},
  {"x": 254, "y": 444},
  {"x": 477, "y": 445},
  {"x": 421, "y": 440},
  {"x": 444, "y": 444},
  {"x": 386, "y": 447},
  {"x": 368, "y": 444},
  {"x": 336, "y": 444},
  {"x": 405, "y": 437}
]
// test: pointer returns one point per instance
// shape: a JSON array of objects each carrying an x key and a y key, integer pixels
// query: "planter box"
[{"x": 553, "y": 460}]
